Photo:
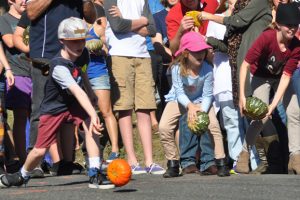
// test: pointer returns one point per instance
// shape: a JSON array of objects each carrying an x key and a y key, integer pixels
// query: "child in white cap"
[{"x": 66, "y": 101}]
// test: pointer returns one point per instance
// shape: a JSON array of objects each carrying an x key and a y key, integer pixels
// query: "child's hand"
[
  {"x": 95, "y": 125},
  {"x": 242, "y": 105},
  {"x": 192, "y": 111},
  {"x": 10, "y": 78},
  {"x": 271, "y": 108}
]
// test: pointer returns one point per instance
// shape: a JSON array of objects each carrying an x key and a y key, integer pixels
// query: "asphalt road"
[{"x": 146, "y": 187}]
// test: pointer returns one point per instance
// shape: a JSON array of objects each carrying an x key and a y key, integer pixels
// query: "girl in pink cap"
[{"x": 192, "y": 92}]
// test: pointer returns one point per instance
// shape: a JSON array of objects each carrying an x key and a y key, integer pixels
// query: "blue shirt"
[
  {"x": 186, "y": 89},
  {"x": 97, "y": 65},
  {"x": 161, "y": 26},
  {"x": 44, "y": 28},
  {"x": 155, "y": 6}
]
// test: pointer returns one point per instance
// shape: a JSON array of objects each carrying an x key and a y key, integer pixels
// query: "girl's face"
[
  {"x": 74, "y": 47},
  {"x": 196, "y": 58},
  {"x": 288, "y": 31},
  {"x": 19, "y": 5},
  {"x": 276, "y": 2},
  {"x": 172, "y": 2}
]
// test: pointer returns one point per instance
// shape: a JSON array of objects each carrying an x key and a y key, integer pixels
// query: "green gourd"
[
  {"x": 256, "y": 109},
  {"x": 200, "y": 125}
]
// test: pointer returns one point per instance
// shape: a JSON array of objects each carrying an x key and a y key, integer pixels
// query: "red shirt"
[
  {"x": 267, "y": 60},
  {"x": 177, "y": 12}
]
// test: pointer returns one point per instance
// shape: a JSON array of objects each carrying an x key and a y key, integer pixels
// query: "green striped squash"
[
  {"x": 200, "y": 124},
  {"x": 256, "y": 109}
]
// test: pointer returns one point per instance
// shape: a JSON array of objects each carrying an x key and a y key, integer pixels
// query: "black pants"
[{"x": 160, "y": 79}]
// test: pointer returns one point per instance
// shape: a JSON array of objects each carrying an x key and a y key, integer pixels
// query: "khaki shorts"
[{"x": 132, "y": 83}]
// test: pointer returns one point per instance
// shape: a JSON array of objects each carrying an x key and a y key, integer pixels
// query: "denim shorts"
[{"x": 100, "y": 83}]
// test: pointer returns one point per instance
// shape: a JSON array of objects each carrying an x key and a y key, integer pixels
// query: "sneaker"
[
  {"x": 233, "y": 170},
  {"x": 99, "y": 180},
  {"x": 65, "y": 168},
  {"x": 137, "y": 169},
  {"x": 16, "y": 179},
  {"x": 155, "y": 169},
  {"x": 37, "y": 173},
  {"x": 112, "y": 156}
]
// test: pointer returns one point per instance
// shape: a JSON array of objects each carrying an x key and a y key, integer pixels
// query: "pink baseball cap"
[{"x": 192, "y": 41}]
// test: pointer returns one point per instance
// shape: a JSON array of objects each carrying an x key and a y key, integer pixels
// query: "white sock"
[
  {"x": 94, "y": 162},
  {"x": 24, "y": 172}
]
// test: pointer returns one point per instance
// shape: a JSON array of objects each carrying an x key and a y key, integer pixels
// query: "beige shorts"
[{"x": 132, "y": 83}]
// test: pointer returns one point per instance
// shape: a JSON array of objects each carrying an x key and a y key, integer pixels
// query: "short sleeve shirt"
[
  {"x": 44, "y": 41},
  {"x": 20, "y": 66}
]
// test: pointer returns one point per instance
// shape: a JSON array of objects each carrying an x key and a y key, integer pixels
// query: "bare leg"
[
  {"x": 104, "y": 105},
  {"x": 34, "y": 158},
  {"x": 125, "y": 124},
  {"x": 144, "y": 127}
]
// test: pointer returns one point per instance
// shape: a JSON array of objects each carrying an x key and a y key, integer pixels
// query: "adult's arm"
[
  {"x": 119, "y": 24},
  {"x": 151, "y": 24},
  {"x": 186, "y": 24},
  {"x": 246, "y": 16},
  {"x": 37, "y": 7}
]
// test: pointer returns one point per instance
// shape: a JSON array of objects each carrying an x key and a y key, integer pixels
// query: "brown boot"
[
  {"x": 242, "y": 165},
  {"x": 294, "y": 164},
  {"x": 260, "y": 148},
  {"x": 274, "y": 155}
]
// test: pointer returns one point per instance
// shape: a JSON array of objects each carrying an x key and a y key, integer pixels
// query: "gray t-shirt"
[
  {"x": 62, "y": 76},
  {"x": 19, "y": 65}
]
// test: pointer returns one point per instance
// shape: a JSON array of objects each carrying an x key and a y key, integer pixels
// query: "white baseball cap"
[{"x": 72, "y": 28}]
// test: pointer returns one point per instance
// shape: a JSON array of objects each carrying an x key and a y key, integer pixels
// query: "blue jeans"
[
  {"x": 235, "y": 127},
  {"x": 296, "y": 81},
  {"x": 189, "y": 143}
]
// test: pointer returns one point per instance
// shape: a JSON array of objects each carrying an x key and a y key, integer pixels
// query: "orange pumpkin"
[{"x": 119, "y": 172}]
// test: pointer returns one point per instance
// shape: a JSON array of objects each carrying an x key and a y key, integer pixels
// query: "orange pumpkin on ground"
[{"x": 119, "y": 172}]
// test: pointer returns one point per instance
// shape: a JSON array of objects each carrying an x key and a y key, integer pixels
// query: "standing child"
[
  {"x": 272, "y": 59},
  {"x": 98, "y": 75},
  {"x": 192, "y": 79},
  {"x": 65, "y": 101}
]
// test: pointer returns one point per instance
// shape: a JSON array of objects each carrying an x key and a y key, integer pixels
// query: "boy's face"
[
  {"x": 19, "y": 5},
  {"x": 288, "y": 31},
  {"x": 74, "y": 47}
]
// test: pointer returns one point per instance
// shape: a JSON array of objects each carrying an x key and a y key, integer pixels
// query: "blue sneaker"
[
  {"x": 155, "y": 169},
  {"x": 137, "y": 169},
  {"x": 112, "y": 156},
  {"x": 98, "y": 180}
]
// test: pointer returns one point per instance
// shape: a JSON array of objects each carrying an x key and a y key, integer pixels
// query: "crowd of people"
[{"x": 66, "y": 63}]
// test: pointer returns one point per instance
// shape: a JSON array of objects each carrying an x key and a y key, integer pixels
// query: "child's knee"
[{"x": 39, "y": 152}]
